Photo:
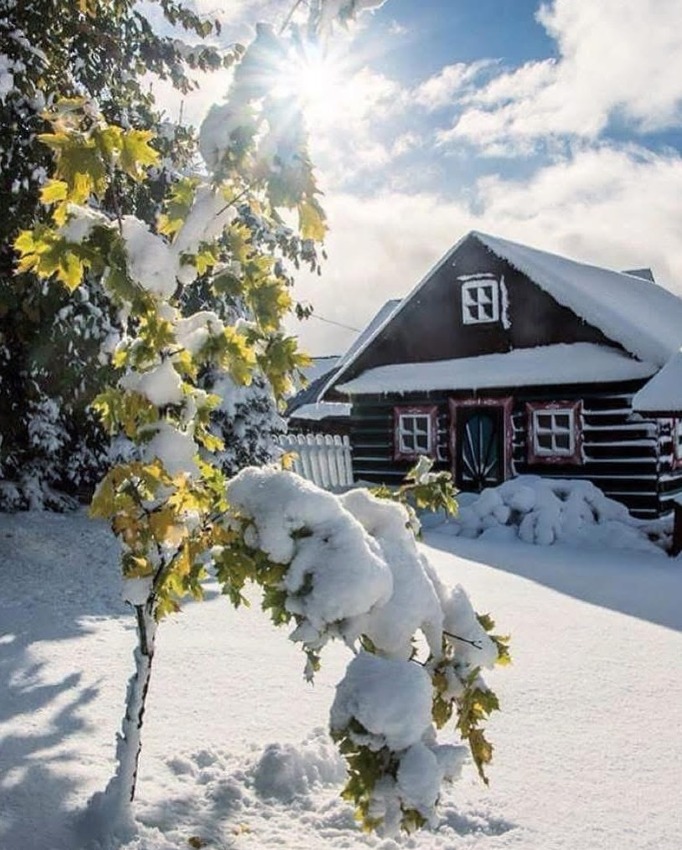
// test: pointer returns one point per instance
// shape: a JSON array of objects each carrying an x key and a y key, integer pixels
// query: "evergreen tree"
[{"x": 50, "y": 366}]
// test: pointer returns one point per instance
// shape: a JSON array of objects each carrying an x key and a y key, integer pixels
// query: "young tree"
[
  {"x": 335, "y": 568},
  {"x": 52, "y": 444}
]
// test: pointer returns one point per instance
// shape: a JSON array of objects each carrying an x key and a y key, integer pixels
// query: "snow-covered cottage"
[{"x": 506, "y": 360}]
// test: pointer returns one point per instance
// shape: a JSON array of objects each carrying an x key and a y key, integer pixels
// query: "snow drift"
[{"x": 545, "y": 511}]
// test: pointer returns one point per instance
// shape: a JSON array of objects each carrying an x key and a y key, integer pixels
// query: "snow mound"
[
  {"x": 545, "y": 511},
  {"x": 285, "y": 771}
]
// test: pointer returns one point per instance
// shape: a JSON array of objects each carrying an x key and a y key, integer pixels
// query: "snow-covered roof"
[
  {"x": 321, "y": 410},
  {"x": 581, "y": 362},
  {"x": 316, "y": 376},
  {"x": 637, "y": 313},
  {"x": 318, "y": 367},
  {"x": 378, "y": 321},
  {"x": 640, "y": 315},
  {"x": 663, "y": 393}
]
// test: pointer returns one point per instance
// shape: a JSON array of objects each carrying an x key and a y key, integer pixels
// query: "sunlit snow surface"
[{"x": 588, "y": 745}]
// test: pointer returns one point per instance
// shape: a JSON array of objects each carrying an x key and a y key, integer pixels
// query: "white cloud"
[
  {"x": 349, "y": 132},
  {"x": 617, "y": 58},
  {"x": 440, "y": 89},
  {"x": 611, "y": 207}
]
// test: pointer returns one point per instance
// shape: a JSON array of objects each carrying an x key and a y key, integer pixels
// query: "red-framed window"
[
  {"x": 415, "y": 431},
  {"x": 555, "y": 432}
]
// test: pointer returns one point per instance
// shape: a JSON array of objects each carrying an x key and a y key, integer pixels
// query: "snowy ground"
[{"x": 589, "y": 743}]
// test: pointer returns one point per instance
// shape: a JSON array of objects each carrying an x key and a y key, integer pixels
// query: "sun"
[{"x": 315, "y": 80}]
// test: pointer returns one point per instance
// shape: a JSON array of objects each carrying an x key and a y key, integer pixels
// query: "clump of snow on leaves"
[
  {"x": 413, "y": 604},
  {"x": 391, "y": 699},
  {"x": 336, "y": 571},
  {"x": 161, "y": 385},
  {"x": 150, "y": 262}
]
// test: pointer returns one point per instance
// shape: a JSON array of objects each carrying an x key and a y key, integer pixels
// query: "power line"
[{"x": 333, "y": 322}]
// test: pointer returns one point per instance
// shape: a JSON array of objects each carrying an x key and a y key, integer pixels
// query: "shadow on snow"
[
  {"x": 47, "y": 590},
  {"x": 638, "y": 584}
]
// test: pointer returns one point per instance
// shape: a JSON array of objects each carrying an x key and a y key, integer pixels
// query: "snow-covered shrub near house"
[{"x": 544, "y": 511}]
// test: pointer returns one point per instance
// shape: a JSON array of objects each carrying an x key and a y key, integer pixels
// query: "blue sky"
[{"x": 557, "y": 125}]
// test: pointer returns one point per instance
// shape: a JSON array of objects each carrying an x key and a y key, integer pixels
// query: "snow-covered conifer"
[{"x": 52, "y": 444}]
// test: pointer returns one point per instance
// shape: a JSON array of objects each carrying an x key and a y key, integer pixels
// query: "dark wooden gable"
[{"x": 429, "y": 326}]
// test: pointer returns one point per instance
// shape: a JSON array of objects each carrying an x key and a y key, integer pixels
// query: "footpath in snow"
[{"x": 588, "y": 744}]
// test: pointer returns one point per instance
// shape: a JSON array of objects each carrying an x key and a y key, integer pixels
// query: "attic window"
[
  {"x": 554, "y": 433},
  {"x": 415, "y": 431},
  {"x": 480, "y": 301}
]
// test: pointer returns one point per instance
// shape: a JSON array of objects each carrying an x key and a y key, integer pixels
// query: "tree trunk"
[{"x": 111, "y": 809}]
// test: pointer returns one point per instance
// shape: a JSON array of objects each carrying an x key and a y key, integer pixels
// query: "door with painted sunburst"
[{"x": 479, "y": 447}]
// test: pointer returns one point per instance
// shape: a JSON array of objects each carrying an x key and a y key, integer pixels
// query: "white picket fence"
[{"x": 323, "y": 459}]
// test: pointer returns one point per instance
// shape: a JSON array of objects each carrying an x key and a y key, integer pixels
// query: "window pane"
[
  {"x": 480, "y": 301},
  {"x": 408, "y": 442},
  {"x": 544, "y": 441},
  {"x": 563, "y": 442},
  {"x": 414, "y": 433},
  {"x": 553, "y": 430},
  {"x": 422, "y": 443}
]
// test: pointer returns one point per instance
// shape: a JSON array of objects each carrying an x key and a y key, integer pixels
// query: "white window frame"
[
  {"x": 403, "y": 432},
  {"x": 471, "y": 301},
  {"x": 423, "y": 423},
  {"x": 553, "y": 431}
]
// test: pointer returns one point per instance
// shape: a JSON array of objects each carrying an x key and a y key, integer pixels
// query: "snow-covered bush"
[
  {"x": 544, "y": 511},
  {"x": 353, "y": 572}
]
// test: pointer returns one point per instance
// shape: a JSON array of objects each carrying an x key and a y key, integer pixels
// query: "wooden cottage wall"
[
  {"x": 620, "y": 449},
  {"x": 371, "y": 436},
  {"x": 625, "y": 455}
]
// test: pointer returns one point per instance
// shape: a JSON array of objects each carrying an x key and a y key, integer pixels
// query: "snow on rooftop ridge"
[
  {"x": 581, "y": 362},
  {"x": 663, "y": 393},
  {"x": 379, "y": 319},
  {"x": 642, "y": 316}
]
